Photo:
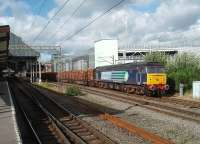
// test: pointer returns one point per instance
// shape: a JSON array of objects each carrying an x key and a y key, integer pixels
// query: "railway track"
[
  {"x": 135, "y": 130},
  {"x": 26, "y": 132},
  {"x": 43, "y": 128},
  {"x": 148, "y": 136},
  {"x": 149, "y": 104},
  {"x": 75, "y": 130},
  {"x": 170, "y": 100},
  {"x": 163, "y": 105},
  {"x": 186, "y": 103}
]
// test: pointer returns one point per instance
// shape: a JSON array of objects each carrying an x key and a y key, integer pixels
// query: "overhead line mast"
[
  {"x": 51, "y": 19},
  {"x": 91, "y": 22}
]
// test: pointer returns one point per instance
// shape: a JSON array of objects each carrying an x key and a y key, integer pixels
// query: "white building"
[
  {"x": 105, "y": 52},
  {"x": 80, "y": 63},
  {"x": 137, "y": 52}
]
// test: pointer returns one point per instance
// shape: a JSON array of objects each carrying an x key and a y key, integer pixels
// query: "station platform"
[{"x": 8, "y": 128}]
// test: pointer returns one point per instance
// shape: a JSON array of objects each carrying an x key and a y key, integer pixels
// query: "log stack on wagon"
[{"x": 78, "y": 76}]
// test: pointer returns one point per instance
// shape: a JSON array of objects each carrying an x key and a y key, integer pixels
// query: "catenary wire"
[
  {"x": 49, "y": 21},
  {"x": 68, "y": 19},
  {"x": 38, "y": 13},
  {"x": 91, "y": 22}
]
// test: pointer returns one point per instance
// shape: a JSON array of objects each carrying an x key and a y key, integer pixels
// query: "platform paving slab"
[{"x": 8, "y": 128}]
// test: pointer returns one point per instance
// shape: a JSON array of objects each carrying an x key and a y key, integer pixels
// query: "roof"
[
  {"x": 4, "y": 43},
  {"x": 105, "y": 40},
  {"x": 127, "y": 66},
  {"x": 22, "y": 50},
  {"x": 18, "y": 48}
]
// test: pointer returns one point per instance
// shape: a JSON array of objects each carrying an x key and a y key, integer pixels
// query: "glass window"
[{"x": 155, "y": 70}]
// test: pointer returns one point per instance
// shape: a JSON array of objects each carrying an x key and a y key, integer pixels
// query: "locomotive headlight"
[{"x": 167, "y": 87}]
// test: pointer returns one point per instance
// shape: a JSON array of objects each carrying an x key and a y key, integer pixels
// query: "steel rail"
[
  {"x": 26, "y": 117},
  {"x": 57, "y": 122},
  {"x": 123, "y": 124},
  {"x": 149, "y": 103},
  {"x": 96, "y": 133},
  {"x": 171, "y": 100},
  {"x": 56, "y": 129},
  {"x": 159, "y": 107},
  {"x": 153, "y": 138}
]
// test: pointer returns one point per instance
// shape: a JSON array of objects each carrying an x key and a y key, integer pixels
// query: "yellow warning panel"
[{"x": 156, "y": 78}]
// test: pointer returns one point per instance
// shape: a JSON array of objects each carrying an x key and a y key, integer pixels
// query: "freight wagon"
[
  {"x": 139, "y": 78},
  {"x": 49, "y": 76}
]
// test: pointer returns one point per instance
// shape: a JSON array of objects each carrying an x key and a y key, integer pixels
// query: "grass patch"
[
  {"x": 73, "y": 91},
  {"x": 45, "y": 84}
]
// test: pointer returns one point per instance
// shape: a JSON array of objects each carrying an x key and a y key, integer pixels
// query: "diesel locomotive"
[{"x": 139, "y": 78}]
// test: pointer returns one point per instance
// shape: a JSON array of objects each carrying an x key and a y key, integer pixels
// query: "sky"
[{"x": 132, "y": 22}]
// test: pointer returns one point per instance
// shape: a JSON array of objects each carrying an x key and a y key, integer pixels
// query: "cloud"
[{"x": 170, "y": 21}]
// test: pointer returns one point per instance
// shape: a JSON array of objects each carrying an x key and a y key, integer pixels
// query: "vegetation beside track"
[
  {"x": 73, "y": 91},
  {"x": 182, "y": 68},
  {"x": 48, "y": 86}
]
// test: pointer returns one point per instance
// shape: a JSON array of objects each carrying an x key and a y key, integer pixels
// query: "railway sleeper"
[
  {"x": 75, "y": 127},
  {"x": 72, "y": 124},
  {"x": 89, "y": 137},
  {"x": 84, "y": 133},
  {"x": 76, "y": 124},
  {"x": 81, "y": 130}
]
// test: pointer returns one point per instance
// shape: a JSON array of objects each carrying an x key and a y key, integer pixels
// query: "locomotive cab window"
[{"x": 155, "y": 70}]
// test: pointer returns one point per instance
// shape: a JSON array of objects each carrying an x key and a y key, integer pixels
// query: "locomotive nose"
[{"x": 156, "y": 78}]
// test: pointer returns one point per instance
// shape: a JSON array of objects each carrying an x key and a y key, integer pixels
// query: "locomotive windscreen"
[{"x": 155, "y": 69}]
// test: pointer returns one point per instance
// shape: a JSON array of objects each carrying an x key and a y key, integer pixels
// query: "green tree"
[
  {"x": 156, "y": 57},
  {"x": 183, "y": 67}
]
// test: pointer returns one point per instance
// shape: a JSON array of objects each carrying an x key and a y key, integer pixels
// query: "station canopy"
[
  {"x": 22, "y": 50},
  {"x": 4, "y": 43},
  {"x": 18, "y": 48}
]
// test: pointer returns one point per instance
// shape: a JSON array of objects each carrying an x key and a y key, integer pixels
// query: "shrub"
[
  {"x": 156, "y": 57},
  {"x": 182, "y": 68},
  {"x": 73, "y": 91}
]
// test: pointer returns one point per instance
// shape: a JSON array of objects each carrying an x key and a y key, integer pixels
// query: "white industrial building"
[
  {"x": 107, "y": 52},
  {"x": 104, "y": 52},
  {"x": 80, "y": 63},
  {"x": 137, "y": 53}
]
